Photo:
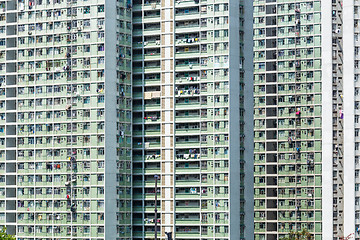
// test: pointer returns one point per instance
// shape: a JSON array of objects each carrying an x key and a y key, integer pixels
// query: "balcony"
[
  {"x": 187, "y": 179},
  {"x": 187, "y": 169},
  {"x": 191, "y": 142},
  {"x": 188, "y": 26},
  {"x": 188, "y": 192},
  {"x": 187, "y": 206},
  {"x": 149, "y": 16},
  {"x": 187, "y": 65},
  {"x": 147, "y": 81},
  {"x": 148, "y": 5},
  {"x": 188, "y": 232},
  {"x": 183, "y": 220}
]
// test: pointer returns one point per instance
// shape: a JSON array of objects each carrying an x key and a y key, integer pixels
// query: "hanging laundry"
[{"x": 341, "y": 113}]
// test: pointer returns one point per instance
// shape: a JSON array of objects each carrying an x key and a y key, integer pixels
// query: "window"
[
  {"x": 87, "y": 10},
  {"x": 86, "y": 100},
  {"x": 100, "y": 203},
  {"x": 101, "y": 99},
  {"x": 100, "y": 190},
  {"x": 101, "y": 164},
  {"x": 101, "y": 151},
  {"x": 101, "y": 8},
  {"x": 101, "y": 47},
  {"x": 100, "y": 177}
]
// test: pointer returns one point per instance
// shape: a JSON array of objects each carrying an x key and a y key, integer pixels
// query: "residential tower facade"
[
  {"x": 300, "y": 94},
  {"x": 66, "y": 119},
  {"x": 189, "y": 119},
  {"x": 100, "y": 97}
]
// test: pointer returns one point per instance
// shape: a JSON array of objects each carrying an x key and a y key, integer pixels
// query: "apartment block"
[
  {"x": 306, "y": 118},
  {"x": 209, "y": 119},
  {"x": 66, "y": 119},
  {"x": 288, "y": 122},
  {"x": 188, "y": 92},
  {"x": 99, "y": 97},
  {"x": 351, "y": 167}
]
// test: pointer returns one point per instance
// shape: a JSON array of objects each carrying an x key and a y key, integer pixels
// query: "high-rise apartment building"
[
  {"x": 301, "y": 179},
  {"x": 100, "y": 96},
  {"x": 66, "y": 119},
  {"x": 189, "y": 119},
  {"x": 351, "y": 90},
  {"x": 106, "y": 104}
]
